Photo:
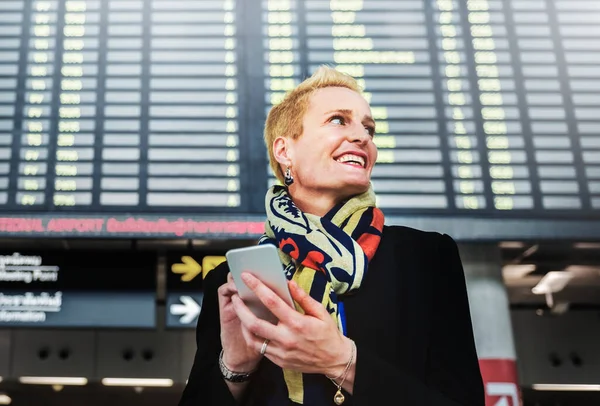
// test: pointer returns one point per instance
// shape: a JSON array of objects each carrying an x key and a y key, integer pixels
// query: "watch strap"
[{"x": 232, "y": 376}]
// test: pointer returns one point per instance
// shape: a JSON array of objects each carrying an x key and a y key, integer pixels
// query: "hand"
[
  {"x": 308, "y": 343},
  {"x": 237, "y": 355}
]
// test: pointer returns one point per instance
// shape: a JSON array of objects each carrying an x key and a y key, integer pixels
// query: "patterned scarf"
[{"x": 327, "y": 256}]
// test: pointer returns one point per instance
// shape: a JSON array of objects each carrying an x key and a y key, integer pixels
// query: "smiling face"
[{"x": 335, "y": 153}]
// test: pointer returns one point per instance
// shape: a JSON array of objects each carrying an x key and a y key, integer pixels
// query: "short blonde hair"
[{"x": 285, "y": 119}]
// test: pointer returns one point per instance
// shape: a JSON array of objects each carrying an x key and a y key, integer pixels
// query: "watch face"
[{"x": 239, "y": 378}]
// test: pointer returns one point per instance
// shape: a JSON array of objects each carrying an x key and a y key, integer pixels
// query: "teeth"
[{"x": 351, "y": 158}]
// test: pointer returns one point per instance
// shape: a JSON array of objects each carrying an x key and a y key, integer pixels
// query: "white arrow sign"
[
  {"x": 188, "y": 311},
  {"x": 506, "y": 390},
  {"x": 503, "y": 402}
]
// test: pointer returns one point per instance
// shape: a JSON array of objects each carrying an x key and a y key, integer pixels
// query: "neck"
[{"x": 315, "y": 203}]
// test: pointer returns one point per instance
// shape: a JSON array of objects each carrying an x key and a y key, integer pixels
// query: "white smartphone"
[{"x": 263, "y": 262}]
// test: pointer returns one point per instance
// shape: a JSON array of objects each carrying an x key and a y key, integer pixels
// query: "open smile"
[{"x": 352, "y": 160}]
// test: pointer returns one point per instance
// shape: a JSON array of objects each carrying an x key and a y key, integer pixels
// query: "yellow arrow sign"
[
  {"x": 189, "y": 268},
  {"x": 210, "y": 262}
]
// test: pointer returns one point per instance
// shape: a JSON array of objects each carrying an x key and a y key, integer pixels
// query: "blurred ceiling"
[{"x": 526, "y": 264}]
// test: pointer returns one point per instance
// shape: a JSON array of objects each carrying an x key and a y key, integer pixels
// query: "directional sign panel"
[
  {"x": 185, "y": 272},
  {"x": 188, "y": 268},
  {"x": 77, "y": 289},
  {"x": 183, "y": 310}
]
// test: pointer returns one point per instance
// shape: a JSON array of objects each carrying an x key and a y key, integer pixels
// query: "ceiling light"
[
  {"x": 137, "y": 382},
  {"x": 511, "y": 244},
  {"x": 565, "y": 387},
  {"x": 587, "y": 245},
  {"x": 52, "y": 380},
  {"x": 517, "y": 271},
  {"x": 5, "y": 399},
  {"x": 559, "y": 308},
  {"x": 200, "y": 243},
  {"x": 552, "y": 282},
  {"x": 583, "y": 269}
]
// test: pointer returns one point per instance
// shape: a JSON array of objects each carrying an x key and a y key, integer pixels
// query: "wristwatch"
[{"x": 232, "y": 376}]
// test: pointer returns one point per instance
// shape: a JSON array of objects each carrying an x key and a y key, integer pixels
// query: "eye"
[
  {"x": 370, "y": 130},
  {"x": 340, "y": 120}
]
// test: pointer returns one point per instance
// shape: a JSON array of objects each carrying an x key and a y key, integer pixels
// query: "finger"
[
  {"x": 252, "y": 341},
  {"x": 256, "y": 326},
  {"x": 310, "y": 306},
  {"x": 274, "y": 355},
  {"x": 282, "y": 357},
  {"x": 222, "y": 295},
  {"x": 227, "y": 289},
  {"x": 272, "y": 351},
  {"x": 225, "y": 292},
  {"x": 230, "y": 278},
  {"x": 270, "y": 299}
]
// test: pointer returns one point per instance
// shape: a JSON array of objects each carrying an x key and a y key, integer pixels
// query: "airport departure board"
[{"x": 484, "y": 108}]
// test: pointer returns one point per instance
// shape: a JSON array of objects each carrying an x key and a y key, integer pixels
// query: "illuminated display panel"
[
  {"x": 483, "y": 107},
  {"x": 578, "y": 39},
  {"x": 193, "y": 121},
  {"x": 282, "y": 62},
  {"x": 11, "y": 26},
  {"x": 120, "y": 106},
  {"x": 77, "y": 289}
]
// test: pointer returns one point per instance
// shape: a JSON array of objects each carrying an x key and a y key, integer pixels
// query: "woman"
[{"x": 381, "y": 315}]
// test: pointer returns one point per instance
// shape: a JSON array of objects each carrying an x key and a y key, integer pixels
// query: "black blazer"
[{"x": 410, "y": 321}]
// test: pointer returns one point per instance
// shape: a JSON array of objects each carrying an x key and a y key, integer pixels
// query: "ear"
[{"x": 283, "y": 151}]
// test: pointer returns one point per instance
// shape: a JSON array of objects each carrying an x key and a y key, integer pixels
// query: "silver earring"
[{"x": 288, "y": 178}]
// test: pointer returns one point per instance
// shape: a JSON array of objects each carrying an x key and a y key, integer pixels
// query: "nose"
[{"x": 360, "y": 134}]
